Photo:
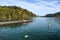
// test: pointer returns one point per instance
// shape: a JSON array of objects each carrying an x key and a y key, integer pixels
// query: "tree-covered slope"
[{"x": 14, "y": 13}]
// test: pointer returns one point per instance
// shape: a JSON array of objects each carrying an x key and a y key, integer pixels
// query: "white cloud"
[{"x": 40, "y": 7}]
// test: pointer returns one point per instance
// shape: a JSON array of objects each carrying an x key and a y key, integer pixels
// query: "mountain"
[
  {"x": 57, "y": 14},
  {"x": 14, "y": 13}
]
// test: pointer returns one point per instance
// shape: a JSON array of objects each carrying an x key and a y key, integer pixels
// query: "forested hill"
[
  {"x": 57, "y": 14},
  {"x": 14, "y": 13}
]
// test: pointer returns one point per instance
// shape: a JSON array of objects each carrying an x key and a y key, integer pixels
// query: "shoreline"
[{"x": 12, "y": 22}]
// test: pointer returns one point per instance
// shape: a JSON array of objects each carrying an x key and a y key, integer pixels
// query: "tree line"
[{"x": 14, "y": 13}]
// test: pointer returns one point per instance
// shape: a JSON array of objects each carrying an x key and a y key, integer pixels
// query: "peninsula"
[{"x": 14, "y": 14}]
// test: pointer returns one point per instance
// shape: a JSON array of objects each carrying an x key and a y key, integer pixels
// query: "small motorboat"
[
  {"x": 26, "y": 36},
  {"x": 49, "y": 25}
]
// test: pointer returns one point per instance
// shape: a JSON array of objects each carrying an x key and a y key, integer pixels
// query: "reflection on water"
[
  {"x": 10, "y": 25},
  {"x": 36, "y": 30}
]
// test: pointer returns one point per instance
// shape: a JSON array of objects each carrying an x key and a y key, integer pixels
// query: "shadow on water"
[{"x": 11, "y": 25}]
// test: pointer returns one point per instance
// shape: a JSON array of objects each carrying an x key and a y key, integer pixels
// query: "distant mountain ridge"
[{"x": 57, "y": 14}]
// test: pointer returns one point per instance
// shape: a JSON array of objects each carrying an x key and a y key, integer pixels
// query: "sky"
[{"x": 38, "y": 7}]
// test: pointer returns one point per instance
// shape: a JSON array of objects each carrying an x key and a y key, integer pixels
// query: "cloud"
[
  {"x": 42, "y": 7},
  {"x": 39, "y": 7}
]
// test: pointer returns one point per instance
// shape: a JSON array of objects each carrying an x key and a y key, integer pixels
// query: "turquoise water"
[{"x": 36, "y": 30}]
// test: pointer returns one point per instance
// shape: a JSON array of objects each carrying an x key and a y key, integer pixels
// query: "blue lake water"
[{"x": 38, "y": 29}]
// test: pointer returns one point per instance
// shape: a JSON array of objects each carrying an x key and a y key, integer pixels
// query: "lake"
[{"x": 38, "y": 29}]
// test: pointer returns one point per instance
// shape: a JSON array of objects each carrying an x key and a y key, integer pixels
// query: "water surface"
[{"x": 37, "y": 30}]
